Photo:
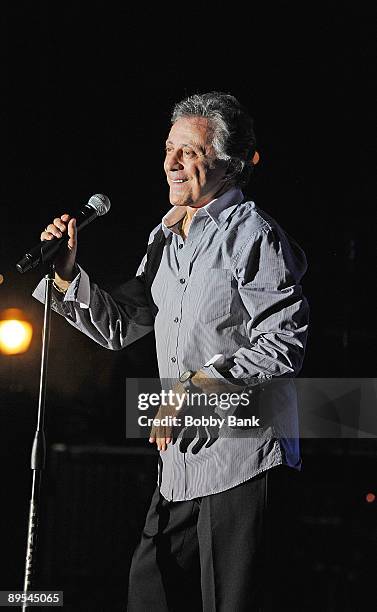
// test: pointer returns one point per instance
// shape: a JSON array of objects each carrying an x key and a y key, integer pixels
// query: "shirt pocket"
[{"x": 211, "y": 293}]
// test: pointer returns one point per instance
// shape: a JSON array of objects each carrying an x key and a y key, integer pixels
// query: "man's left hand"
[{"x": 163, "y": 435}]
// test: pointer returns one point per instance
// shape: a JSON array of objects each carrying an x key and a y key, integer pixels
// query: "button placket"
[
  {"x": 184, "y": 262},
  {"x": 187, "y": 254}
]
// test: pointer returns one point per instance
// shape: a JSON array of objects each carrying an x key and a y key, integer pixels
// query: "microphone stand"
[{"x": 38, "y": 453}]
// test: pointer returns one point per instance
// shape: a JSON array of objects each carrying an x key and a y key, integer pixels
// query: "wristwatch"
[{"x": 186, "y": 381}]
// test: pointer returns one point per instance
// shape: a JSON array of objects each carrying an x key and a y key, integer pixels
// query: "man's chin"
[{"x": 177, "y": 201}]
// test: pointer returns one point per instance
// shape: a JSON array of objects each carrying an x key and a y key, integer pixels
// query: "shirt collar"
[{"x": 218, "y": 210}]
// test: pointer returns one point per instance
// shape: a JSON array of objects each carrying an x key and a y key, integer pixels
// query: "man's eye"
[{"x": 188, "y": 153}]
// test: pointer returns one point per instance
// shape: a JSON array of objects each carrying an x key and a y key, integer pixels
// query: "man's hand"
[
  {"x": 162, "y": 435},
  {"x": 208, "y": 384},
  {"x": 207, "y": 435},
  {"x": 65, "y": 261}
]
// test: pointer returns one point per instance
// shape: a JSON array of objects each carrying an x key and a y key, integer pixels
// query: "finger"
[
  {"x": 66, "y": 217},
  {"x": 156, "y": 435},
  {"x": 72, "y": 229},
  {"x": 59, "y": 224},
  {"x": 161, "y": 444},
  {"x": 45, "y": 235},
  {"x": 72, "y": 233},
  {"x": 52, "y": 229}
]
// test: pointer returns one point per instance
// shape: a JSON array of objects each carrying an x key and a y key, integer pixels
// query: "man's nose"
[{"x": 173, "y": 162}]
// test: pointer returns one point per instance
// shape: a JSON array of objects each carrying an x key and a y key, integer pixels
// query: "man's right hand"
[{"x": 65, "y": 261}]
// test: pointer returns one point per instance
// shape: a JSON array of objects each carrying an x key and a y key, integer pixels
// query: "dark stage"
[{"x": 87, "y": 91}]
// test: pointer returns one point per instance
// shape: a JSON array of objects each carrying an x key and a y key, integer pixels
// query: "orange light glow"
[{"x": 15, "y": 332}]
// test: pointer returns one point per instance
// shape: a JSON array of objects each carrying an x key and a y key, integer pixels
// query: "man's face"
[{"x": 194, "y": 174}]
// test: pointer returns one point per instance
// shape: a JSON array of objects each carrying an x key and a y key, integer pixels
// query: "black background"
[{"x": 87, "y": 91}]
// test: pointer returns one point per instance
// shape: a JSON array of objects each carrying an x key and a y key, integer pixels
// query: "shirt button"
[
  {"x": 176, "y": 320},
  {"x": 180, "y": 246},
  {"x": 182, "y": 281},
  {"x": 173, "y": 359}
]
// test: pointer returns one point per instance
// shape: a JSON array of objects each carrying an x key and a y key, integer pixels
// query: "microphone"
[{"x": 45, "y": 251}]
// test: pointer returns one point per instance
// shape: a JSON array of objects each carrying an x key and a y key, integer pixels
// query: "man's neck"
[{"x": 191, "y": 210}]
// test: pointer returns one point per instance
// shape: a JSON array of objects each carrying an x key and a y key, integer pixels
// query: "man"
[{"x": 228, "y": 313}]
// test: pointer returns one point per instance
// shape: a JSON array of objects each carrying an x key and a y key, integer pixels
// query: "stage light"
[
  {"x": 15, "y": 332},
  {"x": 370, "y": 497}
]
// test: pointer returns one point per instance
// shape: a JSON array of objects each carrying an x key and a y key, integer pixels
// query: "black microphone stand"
[{"x": 38, "y": 453}]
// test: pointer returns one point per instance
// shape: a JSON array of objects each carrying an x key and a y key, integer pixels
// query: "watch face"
[{"x": 185, "y": 376}]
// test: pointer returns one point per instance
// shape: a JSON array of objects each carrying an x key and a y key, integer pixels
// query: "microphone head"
[{"x": 100, "y": 203}]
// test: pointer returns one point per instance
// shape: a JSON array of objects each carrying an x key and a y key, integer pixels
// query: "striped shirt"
[{"x": 229, "y": 294}]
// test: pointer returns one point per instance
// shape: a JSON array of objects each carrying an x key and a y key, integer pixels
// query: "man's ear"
[
  {"x": 231, "y": 172},
  {"x": 255, "y": 159}
]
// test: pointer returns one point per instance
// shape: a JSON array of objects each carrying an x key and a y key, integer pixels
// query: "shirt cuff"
[
  {"x": 79, "y": 289},
  {"x": 226, "y": 369},
  {"x": 220, "y": 367},
  {"x": 218, "y": 372}
]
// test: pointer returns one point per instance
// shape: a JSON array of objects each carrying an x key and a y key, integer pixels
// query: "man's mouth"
[{"x": 179, "y": 180}]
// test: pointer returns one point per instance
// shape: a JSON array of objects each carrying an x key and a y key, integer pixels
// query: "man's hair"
[{"x": 234, "y": 138}]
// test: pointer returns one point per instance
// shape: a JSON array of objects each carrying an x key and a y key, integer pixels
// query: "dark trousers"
[{"x": 227, "y": 552}]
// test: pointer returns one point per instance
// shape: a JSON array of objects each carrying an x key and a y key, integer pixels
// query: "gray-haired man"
[{"x": 229, "y": 309}]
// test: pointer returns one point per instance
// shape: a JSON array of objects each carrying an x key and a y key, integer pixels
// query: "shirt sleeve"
[
  {"x": 113, "y": 320},
  {"x": 268, "y": 273}
]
